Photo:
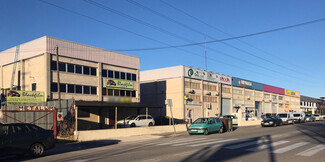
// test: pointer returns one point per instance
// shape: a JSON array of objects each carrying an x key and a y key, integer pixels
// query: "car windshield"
[
  {"x": 308, "y": 115},
  {"x": 283, "y": 115},
  {"x": 316, "y": 115},
  {"x": 131, "y": 117},
  {"x": 296, "y": 115},
  {"x": 200, "y": 121}
]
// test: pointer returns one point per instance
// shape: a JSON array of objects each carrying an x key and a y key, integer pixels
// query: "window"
[
  {"x": 54, "y": 87},
  {"x": 266, "y": 96},
  {"x": 104, "y": 91},
  {"x": 128, "y": 93},
  {"x": 53, "y": 65},
  {"x": 62, "y": 66},
  {"x": 110, "y": 74},
  {"x": 86, "y": 70},
  {"x": 78, "y": 89},
  {"x": 133, "y": 93},
  {"x": 34, "y": 87},
  {"x": 117, "y": 75},
  {"x": 93, "y": 71},
  {"x": 122, "y": 92},
  {"x": 93, "y": 90},
  {"x": 70, "y": 88},
  {"x": 104, "y": 73},
  {"x": 225, "y": 90},
  {"x": 83, "y": 113},
  {"x": 63, "y": 88},
  {"x": 123, "y": 75},
  {"x": 78, "y": 69},
  {"x": 110, "y": 92},
  {"x": 70, "y": 68},
  {"x": 128, "y": 76},
  {"x": 86, "y": 90},
  {"x": 280, "y": 98},
  {"x": 134, "y": 77},
  {"x": 116, "y": 92},
  {"x": 237, "y": 91}
]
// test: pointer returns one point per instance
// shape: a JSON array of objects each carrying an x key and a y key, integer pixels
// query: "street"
[{"x": 299, "y": 142}]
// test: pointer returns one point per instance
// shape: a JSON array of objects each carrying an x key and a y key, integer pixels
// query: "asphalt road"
[{"x": 299, "y": 142}]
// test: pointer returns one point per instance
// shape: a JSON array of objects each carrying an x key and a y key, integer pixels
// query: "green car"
[{"x": 205, "y": 126}]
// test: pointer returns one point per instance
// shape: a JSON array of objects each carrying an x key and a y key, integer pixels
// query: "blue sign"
[{"x": 243, "y": 83}]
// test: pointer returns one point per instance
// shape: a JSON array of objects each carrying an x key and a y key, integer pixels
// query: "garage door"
[
  {"x": 267, "y": 108},
  {"x": 226, "y": 106},
  {"x": 274, "y": 108}
]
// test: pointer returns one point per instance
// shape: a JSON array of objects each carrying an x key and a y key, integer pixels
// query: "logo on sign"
[
  {"x": 224, "y": 79},
  {"x": 60, "y": 116},
  {"x": 244, "y": 83},
  {"x": 190, "y": 72}
]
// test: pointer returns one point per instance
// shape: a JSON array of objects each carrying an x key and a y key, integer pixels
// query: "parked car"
[
  {"x": 136, "y": 121},
  {"x": 271, "y": 120},
  {"x": 318, "y": 117},
  {"x": 21, "y": 138},
  {"x": 310, "y": 118},
  {"x": 299, "y": 117},
  {"x": 205, "y": 126},
  {"x": 287, "y": 118},
  {"x": 233, "y": 117}
]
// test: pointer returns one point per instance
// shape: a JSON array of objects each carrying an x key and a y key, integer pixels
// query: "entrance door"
[
  {"x": 226, "y": 107},
  {"x": 267, "y": 108},
  {"x": 190, "y": 115}
]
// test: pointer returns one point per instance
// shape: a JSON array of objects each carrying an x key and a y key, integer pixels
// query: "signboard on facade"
[
  {"x": 195, "y": 73},
  {"x": 238, "y": 82},
  {"x": 22, "y": 97},
  {"x": 292, "y": 93},
  {"x": 119, "y": 84},
  {"x": 35, "y": 108},
  {"x": 193, "y": 102}
]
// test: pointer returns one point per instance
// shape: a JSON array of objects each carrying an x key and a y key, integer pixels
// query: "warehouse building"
[{"x": 198, "y": 93}]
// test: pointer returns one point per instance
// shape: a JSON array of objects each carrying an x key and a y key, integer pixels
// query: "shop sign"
[
  {"x": 195, "y": 73},
  {"x": 35, "y": 108},
  {"x": 22, "y": 97},
  {"x": 215, "y": 77},
  {"x": 119, "y": 84},
  {"x": 292, "y": 93},
  {"x": 193, "y": 102}
]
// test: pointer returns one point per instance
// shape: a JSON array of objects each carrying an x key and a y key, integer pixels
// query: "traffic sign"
[{"x": 59, "y": 116}]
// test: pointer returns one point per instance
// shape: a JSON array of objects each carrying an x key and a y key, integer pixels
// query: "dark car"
[
  {"x": 13, "y": 94},
  {"x": 271, "y": 120},
  {"x": 21, "y": 138}
]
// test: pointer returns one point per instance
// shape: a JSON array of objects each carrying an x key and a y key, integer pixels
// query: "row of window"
[
  {"x": 71, "y": 88},
  {"x": 210, "y": 99},
  {"x": 192, "y": 85},
  {"x": 119, "y": 75},
  {"x": 116, "y": 92},
  {"x": 72, "y": 68},
  {"x": 210, "y": 87}
]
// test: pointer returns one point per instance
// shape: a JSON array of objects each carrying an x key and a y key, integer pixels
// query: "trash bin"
[
  {"x": 225, "y": 124},
  {"x": 229, "y": 124}
]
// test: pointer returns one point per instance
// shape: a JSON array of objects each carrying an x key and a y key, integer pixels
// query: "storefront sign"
[
  {"x": 35, "y": 108},
  {"x": 215, "y": 77},
  {"x": 195, "y": 73},
  {"x": 193, "y": 102},
  {"x": 22, "y": 97},
  {"x": 119, "y": 84},
  {"x": 292, "y": 93}
]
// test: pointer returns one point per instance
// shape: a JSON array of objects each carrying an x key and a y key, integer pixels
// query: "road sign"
[{"x": 59, "y": 116}]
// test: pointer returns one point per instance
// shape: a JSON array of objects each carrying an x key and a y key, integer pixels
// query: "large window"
[
  {"x": 93, "y": 90},
  {"x": 110, "y": 74},
  {"x": 62, "y": 67},
  {"x": 54, "y": 87},
  {"x": 79, "y": 89},
  {"x": 63, "y": 87},
  {"x": 71, "y": 68},
  {"x": 104, "y": 73},
  {"x": 53, "y": 65},
  {"x": 134, "y": 77},
  {"x": 117, "y": 75},
  {"x": 78, "y": 69},
  {"x": 123, "y": 75},
  {"x": 70, "y": 88},
  {"x": 86, "y": 90},
  {"x": 86, "y": 70},
  {"x": 128, "y": 76},
  {"x": 93, "y": 71}
]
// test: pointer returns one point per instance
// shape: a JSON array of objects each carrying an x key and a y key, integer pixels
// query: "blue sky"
[{"x": 291, "y": 59}]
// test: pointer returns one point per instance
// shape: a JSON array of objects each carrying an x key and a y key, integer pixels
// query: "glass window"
[
  {"x": 70, "y": 68},
  {"x": 133, "y": 93},
  {"x": 93, "y": 71},
  {"x": 70, "y": 88},
  {"x": 53, "y": 65},
  {"x": 134, "y": 77},
  {"x": 110, "y": 73},
  {"x": 110, "y": 92},
  {"x": 93, "y": 90},
  {"x": 34, "y": 87},
  {"x": 122, "y": 92},
  {"x": 86, "y": 70},
  {"x": 128, "y": 76},
  {"x": 104, "y": 91},
  {"x": 78, "y": 69},
  {"x": 54, "y": 87},
  {"x": 117, "y": 75},
  {"x": 62, "y": 66},
  {"x": 104, "y": 73},
  {"x": 123, "y": 75},
  {"x": 128, "y": 93},
  {"x": 78, "y": 89},
  {"x": 63, "y": 87},
  {"x": 86, "y": 90},
  {"x": 116, "y": 92}
]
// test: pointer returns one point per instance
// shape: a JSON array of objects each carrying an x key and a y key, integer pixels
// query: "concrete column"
[
  {"x": 47, "y": 80},
  {"x": 23, "y": 75},
  {"x": 100, "y": 82}
]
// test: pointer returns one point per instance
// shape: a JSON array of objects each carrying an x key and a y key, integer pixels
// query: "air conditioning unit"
[
  {"x": 209, "y": 93},
  {"x": 209, "y": 106},
  {"x": 192, "y": 91},
  {"x": 248, "y": 98},
  {"x": 217, "y": 94}
]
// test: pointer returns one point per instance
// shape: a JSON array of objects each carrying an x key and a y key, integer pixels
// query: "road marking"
[
  {"x": 248, "y": 144},
  {"x": 262, "y": 147},
  {"x": 226, "y": 140},
  {"x": 181, "y": 141},
  {"x": 193, "y": 142},
  {"x": 312, "y": 150},
  {"x": 151, "y": 160},
  {"x": 291, "y": 147},
  {"x": 230, "y": 143}
]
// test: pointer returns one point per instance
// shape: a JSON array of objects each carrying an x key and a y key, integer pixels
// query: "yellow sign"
[
  {"x": 22, "y": 97},
  {"x": 287, "y": 108},
  {"x": 119, "y": 84},
  {"x": 292, "y": 93}
]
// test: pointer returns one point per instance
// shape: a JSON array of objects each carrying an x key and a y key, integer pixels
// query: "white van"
[
  {"x": 299, "y": 117},
  {"x": 287, "y": 118}
]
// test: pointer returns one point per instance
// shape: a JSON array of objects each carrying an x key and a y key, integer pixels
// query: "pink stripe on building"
[{"x": 272, "y": 89}]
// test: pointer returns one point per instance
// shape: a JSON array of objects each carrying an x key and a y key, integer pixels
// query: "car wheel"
[
  {"x": 190, "y": 133},
  {"x": 274, "y": 125},
  {"x": 37, "y": 149},
  {"x": 280, "y": 124},
  {"x": 221, "y": 130},
  {"x": 150, "y": 124},
  {"x": 206, "y": 131},
  {"x": 132, "y": 125}
]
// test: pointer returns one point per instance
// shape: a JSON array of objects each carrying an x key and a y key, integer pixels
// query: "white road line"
[
  {"x": 181, "y": 141},
  {"x": 312, "y": 150},
  {"x": 262, "y": 147},
  {"x": 206, "y": 143},
  {"x": 291, "y": 147},
  {"x": 151, "y": 160},
  {"x": 247, "y": 144},
  {"x": 174, "y": 140},
  {"x": 229, "y": 143},
  {"x": 193, "y": 142}
]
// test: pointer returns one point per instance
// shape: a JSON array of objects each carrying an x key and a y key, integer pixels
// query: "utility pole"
[
  {"x": 205, "y": 53},
  {"x": 58, "y": 76}
]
